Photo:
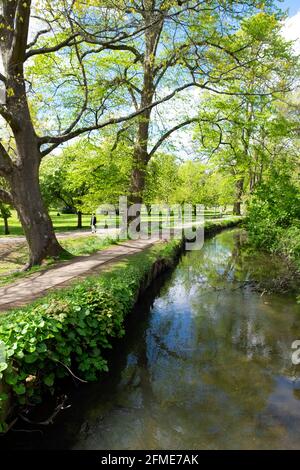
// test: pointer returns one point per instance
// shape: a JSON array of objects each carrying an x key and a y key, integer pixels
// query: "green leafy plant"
[
  {"x": 274, "y": 214},
  {"x": 71, "y": 329}
]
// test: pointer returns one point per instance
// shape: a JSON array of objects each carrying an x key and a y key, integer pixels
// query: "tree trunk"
[
  {"x": 22, "y": 171},
  {"x": 136, "y": 195},
  {"x": 79, "y": 219},
  {"x": 153, "y": 28},
  {"x": 35, "y": 220},
  {"x": 239, "y": 192},
  {"x": 6, "y": 228}
]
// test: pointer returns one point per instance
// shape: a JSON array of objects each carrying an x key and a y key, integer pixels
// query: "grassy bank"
[
  {"x": 284, "y": 241},
  {"x": 70, "y": 329},
  {"x": 14, "y": 256}
]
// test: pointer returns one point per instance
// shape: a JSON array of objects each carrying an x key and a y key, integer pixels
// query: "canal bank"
[
  {"x": 205, "y": 364},
  {"x": 65, "y": 333}
]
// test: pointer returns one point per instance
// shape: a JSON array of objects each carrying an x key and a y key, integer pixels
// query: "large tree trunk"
[
  {"x": 22, "y": 172},
  {"x": 153, "y": 24},
  {"x": 239, "y": 192},
  {"x": 137, "y": 187},
  {"x": 27, "y": 200},
  {"x": 138, "y": 174}
]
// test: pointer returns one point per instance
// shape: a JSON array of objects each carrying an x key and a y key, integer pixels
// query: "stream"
[{"x": 205, "y": 364}]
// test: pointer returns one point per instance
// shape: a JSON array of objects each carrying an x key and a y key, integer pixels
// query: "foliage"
[
  {"x": 171, "y": 181},
  {"x": 162, "y": 179},
  {"x": 274, "y": 214},
  {"x": 72, "y": 328},
  {"x": 85, "y": 175}
]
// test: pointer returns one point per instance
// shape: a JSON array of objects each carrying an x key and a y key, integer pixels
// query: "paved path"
[{"x": 36, "y": 285}]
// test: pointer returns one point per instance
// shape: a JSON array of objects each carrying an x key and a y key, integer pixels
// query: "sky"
[
  {"x": 291, "y": 29},
  {"x": 292, "y": 5}
]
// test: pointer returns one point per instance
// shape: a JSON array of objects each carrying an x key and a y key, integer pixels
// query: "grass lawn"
[
  {"x": 68, "y": 222},
  {"x": 62, "y": 223},
  {"x": 14, "y": 256}
]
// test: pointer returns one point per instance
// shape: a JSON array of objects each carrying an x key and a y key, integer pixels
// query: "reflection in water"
[{"x": 208, "y": 367}]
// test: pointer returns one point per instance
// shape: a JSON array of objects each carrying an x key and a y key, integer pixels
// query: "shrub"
[
  {"x": 70, "y": 329},
  {"x": 273, "y": 211}
]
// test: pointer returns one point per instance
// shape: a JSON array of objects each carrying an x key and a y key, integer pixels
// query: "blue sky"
[{"x": 292, "y": 5}]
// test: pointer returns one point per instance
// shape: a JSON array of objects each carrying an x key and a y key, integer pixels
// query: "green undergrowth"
[
  {"x": 212, "y": 226},
  {"x": 71, "y": 328}
]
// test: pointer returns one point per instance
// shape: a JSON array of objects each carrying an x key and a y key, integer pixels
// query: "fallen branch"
[
  {"x": 60, "y": 407},
  {"x": 70, "y": 372}
]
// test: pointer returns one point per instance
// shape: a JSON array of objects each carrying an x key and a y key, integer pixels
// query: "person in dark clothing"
[{"x": 93, "y": 223}]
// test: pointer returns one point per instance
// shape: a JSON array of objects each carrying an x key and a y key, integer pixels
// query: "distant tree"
[
  {"x": 162, "y": 179},
  {"x": 242, "y": 134},
  {"x": 85, "y": 175},
  {"x": 5, "y": 214}
]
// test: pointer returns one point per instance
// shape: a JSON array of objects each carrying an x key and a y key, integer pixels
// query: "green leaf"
[
  {"x": 49, "y": 379},
  {"x": 19, "y": 389}
]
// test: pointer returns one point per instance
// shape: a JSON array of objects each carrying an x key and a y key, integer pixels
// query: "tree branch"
[
  {"x": 169, "y": 132},
  {"x": 57, "y": 140},
  {"x": 115, "y": 47},
  {"x": 46, "y": 50},
  {"x": 22, "y": 16},
  {"x": 38, "y": 34}
]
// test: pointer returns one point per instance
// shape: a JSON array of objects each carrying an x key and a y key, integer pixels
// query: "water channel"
[{"x": 205, "y": 364}]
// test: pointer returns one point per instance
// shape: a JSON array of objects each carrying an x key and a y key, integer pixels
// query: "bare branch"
[
  {"x": 116, "y": 47},
  {"x": 38, "y": 34},
  {"x": 169, "y": 132},
  {"x": 70, "y": 41},
  {"x": 85, "y": 86},
  {"x": 57, "y": 140}
]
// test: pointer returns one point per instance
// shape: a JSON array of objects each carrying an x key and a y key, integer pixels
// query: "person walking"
[{"x": 93, "y": 223}]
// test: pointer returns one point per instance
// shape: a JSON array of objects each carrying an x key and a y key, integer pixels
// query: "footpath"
[{"x": 38, "y": 284}]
